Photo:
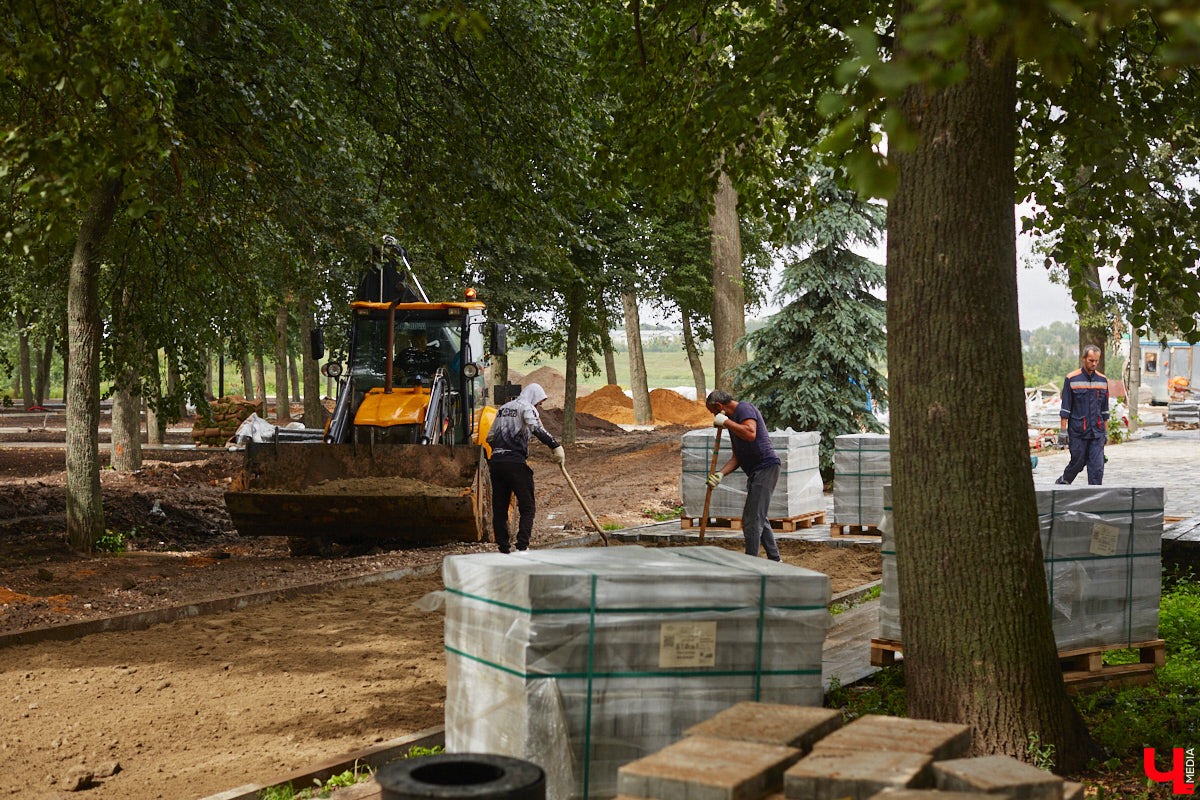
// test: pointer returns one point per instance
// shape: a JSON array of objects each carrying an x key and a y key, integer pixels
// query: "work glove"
[
  {"x": 719, "y": 420},
  {"x": 715, "y": 479},
  {"x": 559, "y": 455},
  {"x": 1062, "y": 439}
]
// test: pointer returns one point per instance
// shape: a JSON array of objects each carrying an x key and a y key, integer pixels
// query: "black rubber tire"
[{"x": 462, "y": 776}]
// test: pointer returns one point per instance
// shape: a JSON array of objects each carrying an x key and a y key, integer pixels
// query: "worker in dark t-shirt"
[{"x": 752, "y": 451}]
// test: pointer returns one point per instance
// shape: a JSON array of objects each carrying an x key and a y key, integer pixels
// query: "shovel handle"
[
  {"x": 586, "y": 510},
  {"x": 708, "y": 494}
]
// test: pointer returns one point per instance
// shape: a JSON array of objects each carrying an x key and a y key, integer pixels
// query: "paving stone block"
[
  {"x": 940, "y": 740},
  {"x": 771, "y": 723},
  {"x": 998, "y": 775},
  {"x": 835, "y": 774},
  {"x": 1073, "y": 791},
  {"x": 706, "y": 768}
]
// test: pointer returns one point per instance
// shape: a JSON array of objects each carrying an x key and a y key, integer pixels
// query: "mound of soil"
[
  {"x": 672, "y": 407},
  {"x": 552, "y": 420},
  {"x": 553, "y": 381},
  {"x": 609, "y": 403}
]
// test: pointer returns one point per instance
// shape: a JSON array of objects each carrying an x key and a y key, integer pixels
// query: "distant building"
[{"x": 1162, "y": 362}]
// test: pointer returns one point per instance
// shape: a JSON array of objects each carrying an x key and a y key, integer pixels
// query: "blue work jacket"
[{"x": 1085, "y": 404}]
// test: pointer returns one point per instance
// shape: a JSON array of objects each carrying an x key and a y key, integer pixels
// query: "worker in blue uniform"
[{"x": 1083, "y": 419}]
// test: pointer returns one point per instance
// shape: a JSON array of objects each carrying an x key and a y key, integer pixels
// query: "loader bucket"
[{"x": 360, "y": 493}]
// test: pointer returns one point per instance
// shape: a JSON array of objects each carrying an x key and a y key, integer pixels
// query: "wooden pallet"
[
  {"x": 785, "y": 525},
  {"x": 1083, "y": 668},
  {"x": 1182, "y": 426},
  {"x": 838, "y": 530}
]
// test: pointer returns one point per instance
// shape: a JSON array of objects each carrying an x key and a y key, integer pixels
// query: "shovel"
[
  {"x": 708, "y": 494},
  {"x": 586, "y": 510}
]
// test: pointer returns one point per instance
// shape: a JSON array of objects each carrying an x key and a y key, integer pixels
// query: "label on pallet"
[
  {"x": 1104, "y": 540},
  {"x": 687, "y": 644}
]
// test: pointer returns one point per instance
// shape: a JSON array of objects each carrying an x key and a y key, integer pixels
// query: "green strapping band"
[
  {"x": 762, "y": 600},
  {"x": 1129, "y": 573},
  {"x": 725, "y": 673},
  {"x": 621, "y": 609},
  {"x": 587, "y": 730}
]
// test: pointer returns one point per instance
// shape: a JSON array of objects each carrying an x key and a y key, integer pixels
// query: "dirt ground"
[{"x": 201, "y": 705}]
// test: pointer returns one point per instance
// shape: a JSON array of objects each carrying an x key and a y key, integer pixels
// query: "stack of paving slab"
[
  {"x": 862, "y": 466},
  {"x": 1102, "y": 553},
  {"x": 799, "y": 490},
  {"x": 1184, "y": 412},
  {"x": 757, "y": 750},
  {"x": 582, "y": 660}
]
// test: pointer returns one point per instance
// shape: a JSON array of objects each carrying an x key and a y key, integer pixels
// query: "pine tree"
[{"x": 815, "y": 366}]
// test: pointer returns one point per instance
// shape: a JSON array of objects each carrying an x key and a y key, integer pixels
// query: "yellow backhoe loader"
[{"x": 400, "y": 460}]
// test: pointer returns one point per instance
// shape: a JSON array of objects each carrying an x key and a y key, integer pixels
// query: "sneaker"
[{"x": 1061, "y": 482}]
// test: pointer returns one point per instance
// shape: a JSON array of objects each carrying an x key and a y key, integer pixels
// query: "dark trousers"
[
  {"x": 512, "y": 478},
  {"x": 755, "y": 525},
  {"x": 1085, "y": 453}
]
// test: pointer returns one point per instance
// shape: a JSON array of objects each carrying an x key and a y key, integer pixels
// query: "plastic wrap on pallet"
[
  {"x": 584, "y": 660},
  {"x": 1183, "y": 412},
  {"x": 799, "y": 490},
  {"x": 862, "y": 466},
  {"x": 1102, "y": 553}
]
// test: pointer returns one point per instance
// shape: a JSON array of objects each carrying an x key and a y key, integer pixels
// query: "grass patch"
[
  {"x": 871, "y": 594},
  {"x": 357, "y": 774},
  {"x": 663, "y": 515}
]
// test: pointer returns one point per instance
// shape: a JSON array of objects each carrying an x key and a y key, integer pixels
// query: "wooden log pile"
[{"x": 223, "y": 417}]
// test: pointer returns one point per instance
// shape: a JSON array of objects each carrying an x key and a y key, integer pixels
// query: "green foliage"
[
  {"x": 882, "y": 693},
  {"x": 816, "y": 365},
  {"x": 112, "y": 541},
  {"x": 871, "y": 594},
  {"x": 1049, "y": 353},
  {"x": 674, "y": 512},
  {"x": 357, "y": 774},
  {"x": 1039, "y": 755}
]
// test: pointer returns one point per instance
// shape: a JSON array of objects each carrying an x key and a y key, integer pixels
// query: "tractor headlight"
[
  {"x": 332, "y": 370},
  {"x": 471, "y": 370}
]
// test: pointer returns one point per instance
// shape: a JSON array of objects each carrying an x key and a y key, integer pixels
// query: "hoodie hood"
[{"x": 533, "y": 394}]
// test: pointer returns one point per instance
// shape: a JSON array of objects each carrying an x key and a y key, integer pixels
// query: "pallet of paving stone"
[
  {"x": 838, "y": 530},
  {"x": 786, "y": 525},
  {"x": 1102, "y": 556},
  {"x": 585, "y": 660},
  {"x": 798, "y": 491},
  {"x": 1082, "y": 667},
  {"x": 862, "y": 466}
]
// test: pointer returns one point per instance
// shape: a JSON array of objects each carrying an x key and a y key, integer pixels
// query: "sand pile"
[
  {"x": 609, "y": 403},
  {"x": 672, "y": 408},
  {"x": 553, "y": 381}
]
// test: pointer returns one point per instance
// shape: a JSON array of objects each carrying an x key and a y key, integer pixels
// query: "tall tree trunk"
[
  {"x": 41, "y": 386},
  {"x": 978, "y": 644},
  {"x": 574, "y": 322},
  {"x": 314, "y": 412},
  {"x": 642, "y": 413},
  {"x": 693, "y": 354},
  {"x": 283, "y": 412},
  {"x": 1134, "y": 383},
  {"x": 260, "y": 380},
  {"x": 65, "y": 352},
  {"x": 246, "y": 368},
  {"x": 1093, "y": 327},
  {"x": 729, "y": 295},
  {"x": 294, "y": 379},
  {"x": 24, "y": 372},
  {"x": 173, "y": 381},
  {"x": 610, "y": 359},
  {"x": 156, "y": 420},
  {"x": 208, "y": 376},
  {"x": 85, "y": 512},
  {"x": 126, "y": 453}
]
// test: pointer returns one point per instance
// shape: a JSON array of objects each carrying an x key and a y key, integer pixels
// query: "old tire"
[{"x": 462, "y": 776}]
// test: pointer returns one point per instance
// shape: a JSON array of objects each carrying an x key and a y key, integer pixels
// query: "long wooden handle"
[
  {"x": 708, "y": 494},
  {"x": 586, "y": 510}
]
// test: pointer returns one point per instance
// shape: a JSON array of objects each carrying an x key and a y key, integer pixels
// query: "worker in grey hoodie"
[{"x": 509, "y": 440}]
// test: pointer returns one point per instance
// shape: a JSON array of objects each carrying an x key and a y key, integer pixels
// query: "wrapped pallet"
[
  {"x": 1183, "y": 412},
  {"x": 584, "y": 660},
  {"x": 799, "y": 490},
  {"x": 1102, "y": 553},
  {"x": 862, "y": 466}
]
